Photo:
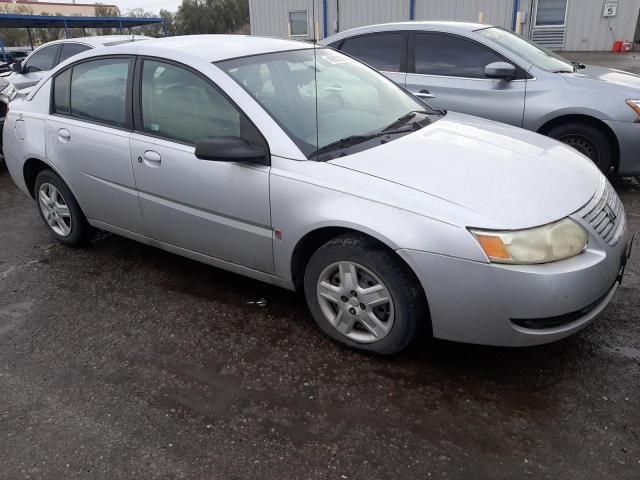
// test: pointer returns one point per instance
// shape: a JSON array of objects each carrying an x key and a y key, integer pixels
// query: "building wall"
[
  {"x": 270, "y": 18},
  {"x": 497, "y": 12},
  {"x": 51, "y": 8},
  {"x": 586, "y": 28},
  {"x": 355, "y": 13}
]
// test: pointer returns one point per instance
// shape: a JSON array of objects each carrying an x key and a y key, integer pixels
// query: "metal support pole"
[
  {"x": 84, "y": 32},
  {"x": 325, "y": 20},
  {"x": 120, "y": 27},
  {"x": 412, "y": 9},
  {"x": 30, "y": 38},
  {"x": 66, "y": 30},
  {"x": 514, "y": 18},
  {"x": 4, "y": 54},
  {"x": 164, "y": 27}
]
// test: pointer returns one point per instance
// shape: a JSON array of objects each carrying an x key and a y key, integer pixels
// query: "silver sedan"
[
  {"x": 305, "y": 168},
  {"x": 493, "y": 73}
]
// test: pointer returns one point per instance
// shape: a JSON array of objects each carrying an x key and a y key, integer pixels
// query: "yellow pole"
[
  {"x": 289, "y": 29},
  {"x": 317, "y": 32},
  {"x": 481, "y": 17},
  {"x": 519, "y": 23}
]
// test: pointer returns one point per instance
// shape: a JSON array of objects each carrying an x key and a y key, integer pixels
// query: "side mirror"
[
  {"x": 502, "y": 70},
  {"x": 229, "y": 149},
  {"x": 16, "y": 67}
]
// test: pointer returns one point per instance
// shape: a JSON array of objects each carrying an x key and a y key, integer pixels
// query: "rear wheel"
[
  {"x": 589, "y": 140},
  {"x": 60, "y": 210},
  {"x": 363, "y": 296}
]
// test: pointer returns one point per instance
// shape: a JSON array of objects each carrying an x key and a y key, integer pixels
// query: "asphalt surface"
[
  {"x": 121, "y": 361},
  {"x": 629, "y": 62}
]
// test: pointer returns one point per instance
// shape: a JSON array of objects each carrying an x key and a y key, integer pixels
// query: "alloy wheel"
[{"x": 55, "y": 209}]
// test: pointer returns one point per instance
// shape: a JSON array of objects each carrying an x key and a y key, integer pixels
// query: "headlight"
[
  {"x": 635, "y": 104},
  {"x": 555, "y": 241}
]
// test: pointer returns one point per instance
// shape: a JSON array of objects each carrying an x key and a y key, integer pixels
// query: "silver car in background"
[
  {"x": 307, "y": 169},
  {"x": 493, "y": 73},
  {"x": 29, "y": 71}
]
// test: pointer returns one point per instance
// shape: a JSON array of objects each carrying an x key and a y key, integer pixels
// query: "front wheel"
[
  {"x": 591, "y": 141},
  {"x": 363, "y": 296}
]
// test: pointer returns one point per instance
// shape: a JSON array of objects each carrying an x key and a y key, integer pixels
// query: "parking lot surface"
[{"x": 121, "y": 361}]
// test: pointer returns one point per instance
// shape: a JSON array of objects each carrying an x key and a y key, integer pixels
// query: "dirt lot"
[{"x": 121, "y": 361}]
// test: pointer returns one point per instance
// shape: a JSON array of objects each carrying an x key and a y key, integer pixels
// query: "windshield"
[
  {"x": 350, "y": 108},
  {"x": 539, "y": 56}
]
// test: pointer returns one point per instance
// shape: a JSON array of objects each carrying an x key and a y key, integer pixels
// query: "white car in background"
[{"x": 44, "y": 58}]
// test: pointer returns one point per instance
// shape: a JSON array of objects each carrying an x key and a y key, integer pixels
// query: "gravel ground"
[{"x": 122, "y": 361}]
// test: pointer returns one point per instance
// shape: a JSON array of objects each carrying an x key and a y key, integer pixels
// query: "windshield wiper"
[
  {"x": 578, "y": 65},
  {"x": 403, "y": 119},
  {"x": 355, "y": 139}
]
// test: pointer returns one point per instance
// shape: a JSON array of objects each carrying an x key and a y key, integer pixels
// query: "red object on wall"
[
  {"x": 626, "y": 47},
  {"x": 617, "y": 45}
]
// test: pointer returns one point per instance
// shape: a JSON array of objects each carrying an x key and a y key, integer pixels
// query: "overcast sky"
[{"x": 149, "y": 5}]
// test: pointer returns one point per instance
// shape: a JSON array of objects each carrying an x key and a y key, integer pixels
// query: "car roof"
[
  {"x": 438, "y": 26},
  {"x": 213, "y": 48},
  {"x": 101, "y": 40}
]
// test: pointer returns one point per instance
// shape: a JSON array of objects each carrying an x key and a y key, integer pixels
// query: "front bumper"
[
  {"x": 628, "y": 135},
  {"x": 476, "y": 302}
]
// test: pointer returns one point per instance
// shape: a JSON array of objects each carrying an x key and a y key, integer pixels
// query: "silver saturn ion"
[{"x": 306, "y": 169}]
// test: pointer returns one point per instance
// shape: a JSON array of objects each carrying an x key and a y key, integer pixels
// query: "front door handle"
[
  {"x": 64, "y": 134},
  {"x": 152, "y": 156},
  {"x": 424, "y": 94}
]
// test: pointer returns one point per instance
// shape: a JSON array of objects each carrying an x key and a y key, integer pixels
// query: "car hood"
[
  {"x": 510, "y": 177},
  {"x": 607, "y": 75}
]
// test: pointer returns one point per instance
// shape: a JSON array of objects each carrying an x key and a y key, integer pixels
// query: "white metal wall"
[
  {"x": 588, "y": 30},
  {"x": 497, "y": 12},
  {"x": 355, "y": 13},
  {"x": 270, "y": 18}
]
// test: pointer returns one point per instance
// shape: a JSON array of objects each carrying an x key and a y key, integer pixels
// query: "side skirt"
[{"x": 198, "y": 257}]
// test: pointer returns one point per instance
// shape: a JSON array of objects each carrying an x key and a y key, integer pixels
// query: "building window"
[
  {"x": 299, "y": 23},
  {"x": 551, "y": 13}
]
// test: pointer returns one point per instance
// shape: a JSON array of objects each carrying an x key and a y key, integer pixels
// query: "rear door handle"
[
  {"x": 64, "y": 134},
  {"x": 424, "y": 94},
  {"x": 152, "y": 156}
]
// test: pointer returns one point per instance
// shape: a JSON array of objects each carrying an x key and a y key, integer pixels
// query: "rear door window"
[
  {"x": 383, "y": 51},
  {"x": 99, "y": 91}
]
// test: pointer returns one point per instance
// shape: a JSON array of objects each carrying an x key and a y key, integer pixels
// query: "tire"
[
  {"x": 589, "y": 140},
  {"x": 388, "y": 327},
  {"x": 60, "y": 211}
]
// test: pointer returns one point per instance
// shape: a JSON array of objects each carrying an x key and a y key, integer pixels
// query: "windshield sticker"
[{"x": 336, "y": 59}]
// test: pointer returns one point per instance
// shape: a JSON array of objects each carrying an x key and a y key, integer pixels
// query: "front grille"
[{"x": 605, "y": 213}]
